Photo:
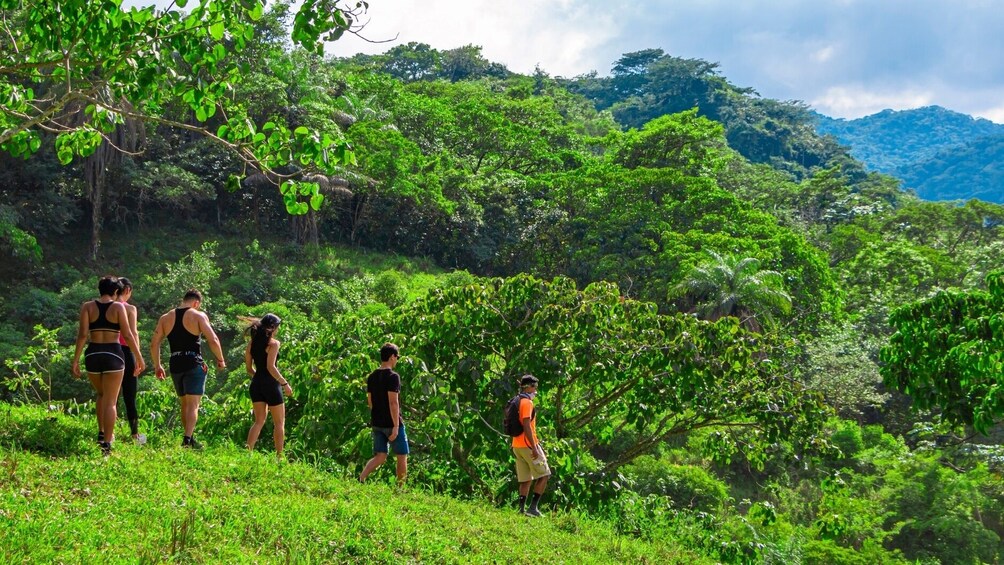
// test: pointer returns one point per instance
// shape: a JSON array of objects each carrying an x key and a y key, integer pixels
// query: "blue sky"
[{"x": 845, "y": 58}]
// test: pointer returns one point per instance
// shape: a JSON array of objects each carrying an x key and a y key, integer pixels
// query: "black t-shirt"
[{"x": 379, "y": 383}]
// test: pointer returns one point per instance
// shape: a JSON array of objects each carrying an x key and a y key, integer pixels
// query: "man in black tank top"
[{"x": 184, "y": 327}]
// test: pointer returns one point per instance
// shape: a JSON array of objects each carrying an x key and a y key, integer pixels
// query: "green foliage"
[
  {"x": 106, "y": 66},
  {"x": 841, "y": 364},
  {"x": 686, "y": 486},
  {"x": 43, "y": 430},
  {"x": 390, "y": 288},
  {"x": 730, "y": 286},
  {"x": 647, "y": 84},
  {"x": 16, "y": 240},
  {"x": 946, "y": 354},
  {"x": 32, "y": 372},
  {"x": 197, "y": 270},
  {"x": 654, "y": 377}
]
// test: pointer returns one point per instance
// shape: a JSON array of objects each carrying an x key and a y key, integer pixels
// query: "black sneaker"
[
  {"x": 533, "y": 512},
  {"x": 106, "y": 448},
  {"x": 191, "y": 443}
]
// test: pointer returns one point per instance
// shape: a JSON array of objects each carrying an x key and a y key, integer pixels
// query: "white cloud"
[
  {"x": 856, "y": 101},
  {"x": 560, "y": 35},
  {"x": 995, "y": 115},
  {"x": 823, "y": 55}
]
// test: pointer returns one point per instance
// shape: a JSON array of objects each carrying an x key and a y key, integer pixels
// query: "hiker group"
[{"x": 113, "y": 361}]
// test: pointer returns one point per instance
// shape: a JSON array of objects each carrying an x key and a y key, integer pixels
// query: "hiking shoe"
[
  {"x": 106, "y": 448},
  {"x": 139, "y": 439},
  {"x": 191, "y": 443},
  {"x": 533, "y": 512}
]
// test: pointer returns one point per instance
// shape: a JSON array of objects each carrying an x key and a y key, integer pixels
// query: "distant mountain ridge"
[{"x": 939, "y": 153}]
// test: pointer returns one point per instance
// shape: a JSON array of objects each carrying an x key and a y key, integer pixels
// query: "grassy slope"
[{"x": 151, "y": 504}]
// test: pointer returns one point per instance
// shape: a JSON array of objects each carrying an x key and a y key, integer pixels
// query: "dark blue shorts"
[
  {"x": 380, "y": 441},
  {"x": 192, "y": 381}
]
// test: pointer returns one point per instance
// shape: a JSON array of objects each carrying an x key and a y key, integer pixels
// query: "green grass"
[{"x": 146, "y": 504}]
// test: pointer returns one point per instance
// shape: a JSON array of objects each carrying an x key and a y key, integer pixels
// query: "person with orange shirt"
[{"x": 531, "y": 463}]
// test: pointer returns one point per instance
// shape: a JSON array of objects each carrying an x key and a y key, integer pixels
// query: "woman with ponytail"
[{"x": 267, "y": 383}]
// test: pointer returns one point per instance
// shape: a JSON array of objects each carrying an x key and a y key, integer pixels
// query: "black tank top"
[
  {"x": 102, "y": 323},
  {"x": 186, "y": 349},
  {"x": 260, "y": 359}
]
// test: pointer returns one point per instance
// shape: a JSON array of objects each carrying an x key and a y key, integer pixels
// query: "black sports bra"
[{"x": 102, "y": 323}]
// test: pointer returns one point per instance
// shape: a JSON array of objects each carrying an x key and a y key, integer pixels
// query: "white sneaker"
[{"x": 140, "y": 439}]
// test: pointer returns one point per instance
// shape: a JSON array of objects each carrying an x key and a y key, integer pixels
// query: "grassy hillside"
[{"x": 60, "y": 501}]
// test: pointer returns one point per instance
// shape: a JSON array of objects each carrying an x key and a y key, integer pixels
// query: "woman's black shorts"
[
  {"x": 266, "y": 390},
  {"x": 104, "y": 358}
]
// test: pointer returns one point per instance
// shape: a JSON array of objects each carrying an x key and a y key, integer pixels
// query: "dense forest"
[
  {"x": 749, "y": 345},
  {"x": 939, "y": 154}
]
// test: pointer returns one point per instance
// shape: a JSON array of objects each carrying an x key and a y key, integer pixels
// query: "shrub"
[
  {"x": 44, "y": 431},
  {"x": 390, "y": 288},
  {"x": 687, "y": 486},
  {"x": 847, "y": 437}
]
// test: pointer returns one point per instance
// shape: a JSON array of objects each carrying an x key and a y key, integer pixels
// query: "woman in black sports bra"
[
  {"x": 267, "y": 383},
  {"x": 101, "y": 323}
]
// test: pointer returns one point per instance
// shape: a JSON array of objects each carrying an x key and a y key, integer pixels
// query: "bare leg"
[
  {"x": 524, "y": 488},
  {"x": 541, "y": 485},
  {"x": 190, "y": 412},
  {"x": 402, "y": 469},
  {"x": 95, "y": 379},
  {"x": 259, "y": 423},
  {"x": 371, "y": 465},
  {"x": 111, "y": 384},
  {"x": 278, "y": 428}
]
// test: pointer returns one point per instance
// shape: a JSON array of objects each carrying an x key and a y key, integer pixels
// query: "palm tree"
[{"x": 730, "y": 286}]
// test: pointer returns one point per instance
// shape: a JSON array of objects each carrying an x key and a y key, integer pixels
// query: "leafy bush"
[
  {"x": 847, "y": 437},
  {"x": 390, "y": 288},
  {"x": 687, "y": 486},
  {"x": 47, "y": 432},
  {"x": 196, "y": 270}
]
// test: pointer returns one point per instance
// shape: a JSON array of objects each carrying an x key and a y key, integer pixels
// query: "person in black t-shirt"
[{"x": 382, "y": 390}]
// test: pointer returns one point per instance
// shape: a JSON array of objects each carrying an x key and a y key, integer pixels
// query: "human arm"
[
  {"x": 134, "y": 323},
  {"x": 82, "y": 328},
  {"x": 214, "y": 342},
  {"x": 155, "y": 341},
  {"x": 128, "y": 330},
  {"x": 248, "y": 360},
  {"x": 395, "y": 413},
  {"x": 273, "y": 370}
]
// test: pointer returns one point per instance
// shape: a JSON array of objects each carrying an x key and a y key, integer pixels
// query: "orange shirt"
[{"x": 526, "y": 411}]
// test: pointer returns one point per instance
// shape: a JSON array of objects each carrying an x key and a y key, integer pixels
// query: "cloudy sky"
[{"x": 845, "y": 58}]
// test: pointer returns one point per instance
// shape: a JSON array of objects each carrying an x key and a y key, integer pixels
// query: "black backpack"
[{"x": 511, "y": 425}]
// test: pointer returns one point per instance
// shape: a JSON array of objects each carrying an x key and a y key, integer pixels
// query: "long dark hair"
[{"x": 261, "y": 331}]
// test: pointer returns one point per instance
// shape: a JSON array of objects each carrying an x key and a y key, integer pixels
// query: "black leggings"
[{"x": 129, "y": 386}]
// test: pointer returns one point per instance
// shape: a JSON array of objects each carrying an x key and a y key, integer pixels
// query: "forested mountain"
[
  {"x": 704, "y": 284},
  {"x": 646, "y": 84},
  {"x": 974, "y": 169},
  {"x": 941, "y": 154}
]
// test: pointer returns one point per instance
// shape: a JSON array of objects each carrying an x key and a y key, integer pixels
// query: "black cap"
[{"x": 528, "y": 380}]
